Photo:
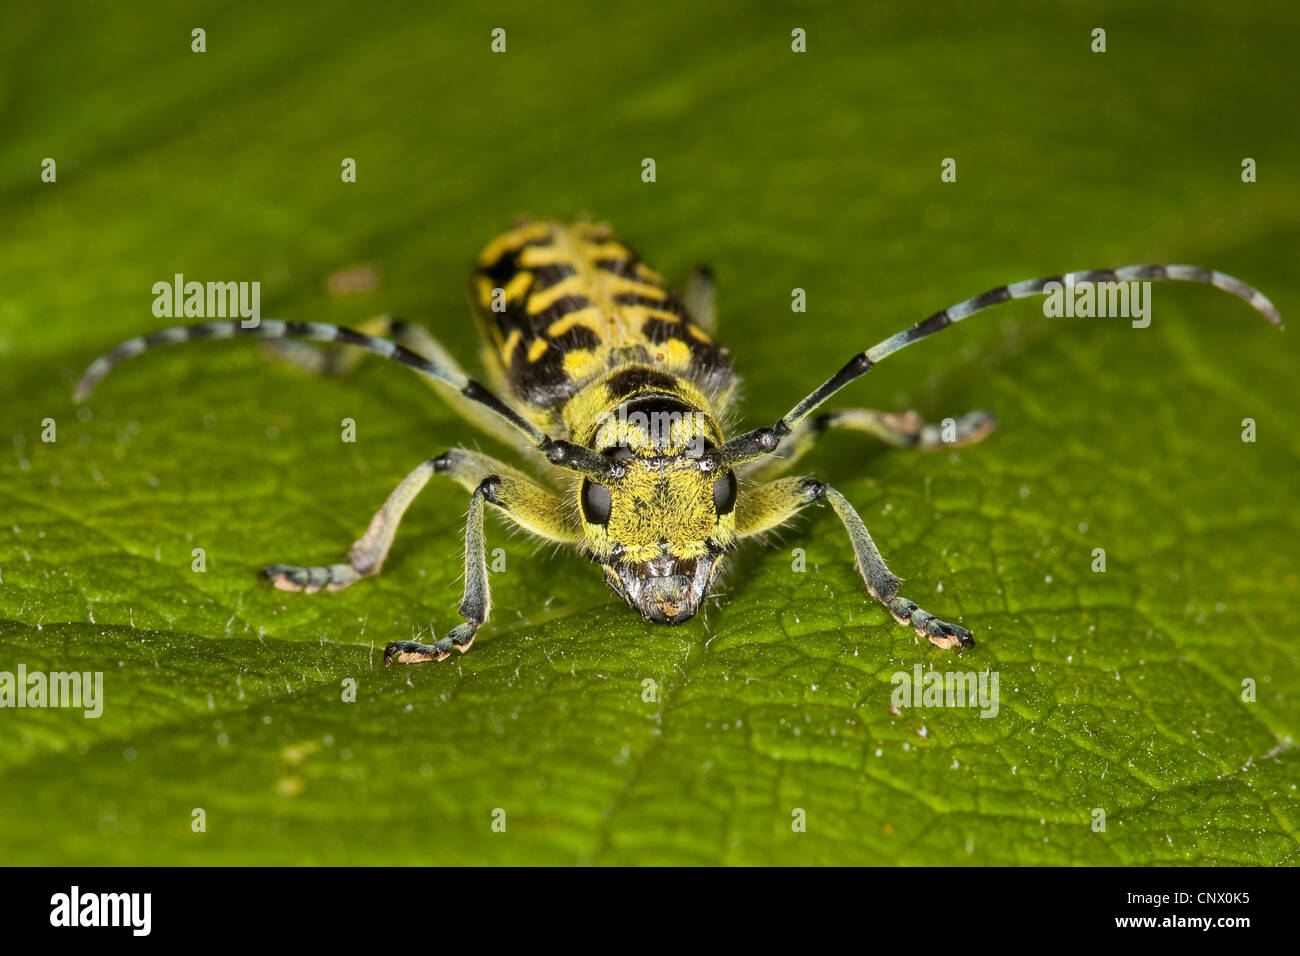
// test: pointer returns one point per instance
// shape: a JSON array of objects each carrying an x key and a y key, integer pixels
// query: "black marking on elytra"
[
  {"x": 578, "y": 337},
  {"x": 515, "y": 317},
  {"x": 546, "y": 276},
  {"x": 661, "y": 330},
  {"x": 664, "y": 305},
  {"x": 560, "y": 308},
  {"x": 502, "y": 269},
  {"x": 624, "y": 268},
  {"x": 506, "y": 265},
  {"x": 707, "y": 359},
  {"x": 543, "y": 383}
]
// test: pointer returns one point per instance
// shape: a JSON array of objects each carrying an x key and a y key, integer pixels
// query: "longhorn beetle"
[{"x": 617, "y": 382}]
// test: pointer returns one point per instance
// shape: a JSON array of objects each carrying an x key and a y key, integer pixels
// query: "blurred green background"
[{"x": 1120, "y": 691}]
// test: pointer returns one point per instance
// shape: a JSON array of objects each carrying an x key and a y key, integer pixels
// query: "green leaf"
[{"x": 1120, "y": 691}]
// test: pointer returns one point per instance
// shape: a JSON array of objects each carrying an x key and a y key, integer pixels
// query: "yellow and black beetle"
[{"x": 597, "y": 365}]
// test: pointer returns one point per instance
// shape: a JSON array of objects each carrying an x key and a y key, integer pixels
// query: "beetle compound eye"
[
  {"x": 596, "y": 502},
  {"x": 724, "y": 494}
]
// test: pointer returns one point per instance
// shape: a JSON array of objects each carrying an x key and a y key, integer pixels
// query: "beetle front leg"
[
  {"x": 477, "y": 599},
  {"x": 523, "y": 502},
  {"x": 772, "y": 504},
  {"x": 883, "y": 585}
]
